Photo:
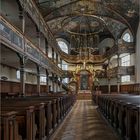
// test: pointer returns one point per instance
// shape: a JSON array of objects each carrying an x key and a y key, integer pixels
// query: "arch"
[
  {"x": 127, "y": 36},
  {"x": 63, "y": 44},
  {"x": 109, "y": 44}
]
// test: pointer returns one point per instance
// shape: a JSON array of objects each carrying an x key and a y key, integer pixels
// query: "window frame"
[
  {"x": 125, "y": 78},
  {"x": 127, "y": 37},
  {"x": 125, "y": 60}
]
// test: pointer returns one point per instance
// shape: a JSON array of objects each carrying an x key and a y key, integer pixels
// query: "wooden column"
[
  {"x": 108, "y": 77},
  {"x": 53, "y": 54},
  {"x": 47, "y": 81},
  {"x": 57, "y": 59},
  {"x": 118, "y": 75},
  {"x": 53, "y": 82},
  {"x": 109, "y": 86},
  {"x": 60, "y": 83},
  {"x": 61, "y": 63},
  {"x": 38, "y": 80},
  {"x": 22, "y": 75},
  {"x": 137, "y": 61}
]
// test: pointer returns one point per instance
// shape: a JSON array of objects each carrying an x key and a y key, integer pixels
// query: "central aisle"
[{"x": 84, "y": 123}]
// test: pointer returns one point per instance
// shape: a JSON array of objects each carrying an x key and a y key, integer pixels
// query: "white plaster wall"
[
  {"x": 103, "y": 81},
  {"x": 108, "y": 42},
  {"x": 113, "y": 63},
  {"x": 31, "y": 78},
  {"x": 113, "y": 81},
  {"x": 8, "y": 72},
  {"x": 50, "y": 52},
  {"x": 132, "y": 59},
  {"x": 42, "y": 43}
]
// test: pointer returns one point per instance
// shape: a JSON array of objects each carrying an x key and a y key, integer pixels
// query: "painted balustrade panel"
[
  {"x": 121, "y": 70},
  {"x": 32, "y": 51},
  {"x": 17, "y": 41},
  {"x": 5, "y": 31},
  {"x": 9, "y": 34}
]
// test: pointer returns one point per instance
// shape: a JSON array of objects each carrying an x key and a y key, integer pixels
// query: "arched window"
[
  {"x": 63, "y": 46},
  {"x": 18, "y": 74},
  {"x": 43, "y": 79},
  {"x": 127, "y": 37}
]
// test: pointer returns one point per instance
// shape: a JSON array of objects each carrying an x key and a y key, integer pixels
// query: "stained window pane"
[
  {"x": 63, "y": 46},
  {"x": 43, "y": 79},
  {"x": 125, "y": 78},
  {"x": 125, "y": 61},
  {"x": 18, "y": 74},
  {"x": 126, "y": 37}
]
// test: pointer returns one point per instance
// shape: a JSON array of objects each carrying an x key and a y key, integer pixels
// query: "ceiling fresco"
[{"x": 106, "y": 18}]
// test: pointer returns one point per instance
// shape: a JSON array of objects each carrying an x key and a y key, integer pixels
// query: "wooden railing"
[
  {"x": 121, "y": 70},
  {"x": 123, "y": 47},
  {"x": 129, "y": 89},
  {"x": 15, "y": 40}
]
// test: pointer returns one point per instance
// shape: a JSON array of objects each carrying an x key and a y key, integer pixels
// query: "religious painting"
[{"x": 84, "y": 80}]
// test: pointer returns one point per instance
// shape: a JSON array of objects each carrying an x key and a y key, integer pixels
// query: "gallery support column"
[
  {"x": 60, "y": 83},
  {"x": 38, "y": 80},
  {"x": 137, "y": 61},
  {"x": 52, "y": 82},
  {"x": 56, "y": 83},
  {"x": 118, "y": 75},
  {"x": 47, "y": 81},
  {"x": 61, "y": 63},
  {"x": 22, "y": 75},
  {"x": 109, "y": 86}
]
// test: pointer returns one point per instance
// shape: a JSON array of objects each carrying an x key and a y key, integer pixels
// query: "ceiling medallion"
[{"x": 83, "y": 24}]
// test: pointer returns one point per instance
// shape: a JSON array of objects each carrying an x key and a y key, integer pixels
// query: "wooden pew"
[
  {"x": 25, "y": 121},
  {"x": 42, "y": 116},
  {"x": 122, "y": 111},
  {"x": 9, "y": 128},
  {"x": 53, "y": 108}
]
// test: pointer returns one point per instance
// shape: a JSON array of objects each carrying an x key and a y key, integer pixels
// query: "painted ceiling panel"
[{"x": 106, "y": 18}]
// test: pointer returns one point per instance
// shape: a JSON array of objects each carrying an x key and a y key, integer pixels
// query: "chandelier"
[{"x": 83, "y": 30}]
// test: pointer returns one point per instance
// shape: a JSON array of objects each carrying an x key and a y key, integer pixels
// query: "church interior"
[{"x": 70, "y": 70}]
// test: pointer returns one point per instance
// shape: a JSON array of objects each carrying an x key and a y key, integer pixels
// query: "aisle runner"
[{"x": 84, "y": 123}]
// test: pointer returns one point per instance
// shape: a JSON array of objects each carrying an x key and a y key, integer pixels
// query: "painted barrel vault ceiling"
[{"x": 114, "y": 16}]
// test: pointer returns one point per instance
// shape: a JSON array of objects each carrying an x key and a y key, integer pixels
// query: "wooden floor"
[{"x": 84, "y": 122}]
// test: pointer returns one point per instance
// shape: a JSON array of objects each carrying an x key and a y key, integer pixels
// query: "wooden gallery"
[{"x": 70, "y": 70}]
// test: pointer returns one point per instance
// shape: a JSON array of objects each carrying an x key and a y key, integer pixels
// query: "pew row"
[
  {"x": 122, "y": 112},
  {"x": 47, "y": 113}
]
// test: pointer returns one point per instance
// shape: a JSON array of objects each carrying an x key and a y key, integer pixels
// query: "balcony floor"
[{"x": 84, "y": 122}]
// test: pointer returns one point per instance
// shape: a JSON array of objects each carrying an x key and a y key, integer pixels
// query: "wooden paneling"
[
  {"x": 14, "y": 87},
  {"x": 10, "y": 87},
  {"x": 132, "y": 88},
  {"x": 103, "y": 88},
  {"x": 43, "y": 88},
  {"x": 113, "y": 88}
]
